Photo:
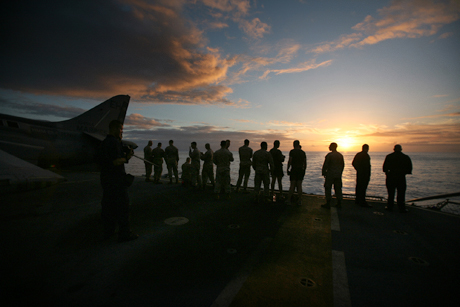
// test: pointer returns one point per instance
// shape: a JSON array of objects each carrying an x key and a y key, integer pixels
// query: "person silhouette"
[
  {"x": 245, "y": 153},
  {"x": 172, "y": 160},
  {"x": 297, "y": 165},
  {"x": 362, "y": 164},
  {"x": 115, "y": 198},
  {"x": 208, "y": 166},
  {"x": 277, "y": 172},
  {"x": 148, "y": 157},
  {"x": 195, "y": 156},
  {"x": 157, "y": 158},
  {"x": 332, "y": 171},
  {"x": 262, "y": 162},
  {"x": 222, "y": 159},
  {"x": 396, "y": 166},
  {"x": 186, "y": 173}
]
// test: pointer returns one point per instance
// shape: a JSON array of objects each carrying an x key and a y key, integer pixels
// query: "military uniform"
[
  {"x": 262, "y": 162},
  {"x": 245, "y": 153},
  {"x": 222, "y": 159},
  {"x": 208, "y": 167}
]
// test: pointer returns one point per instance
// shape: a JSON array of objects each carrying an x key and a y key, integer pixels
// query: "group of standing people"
[
  {"x": 268, "y": 164},
  {"x": 154, "y": 158},
  {"x": 112, "y": 156},
  {"x": 396, "y": 166}
]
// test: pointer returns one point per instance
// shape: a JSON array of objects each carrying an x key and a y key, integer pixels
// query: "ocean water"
[{"x": 433, "y": 174}]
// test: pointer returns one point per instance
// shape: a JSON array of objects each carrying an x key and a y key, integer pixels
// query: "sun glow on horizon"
[{"x": 346, "y": 143}]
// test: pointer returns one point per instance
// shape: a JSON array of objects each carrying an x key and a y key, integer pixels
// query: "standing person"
[
  {"x": 262, "y": 163},
  {"x": 148, "y": 156},
  {"x": 332, "y": 171},
  {"x": 157, "y": 158},
  {"x": 362, "y": 164},
  {"x": 208, "y": 166},
  {"x": 172, "y": 160},
  {"x": 115, "y": 198},
  {"x": 277, "y": 172},
  {"x": 396, "y": 166},
  {"x": 222, "y": 159},
  {"x": 297, "y": 165},
  {"x": 195, "y": 155},
  {"x": 245, "y": 153}
]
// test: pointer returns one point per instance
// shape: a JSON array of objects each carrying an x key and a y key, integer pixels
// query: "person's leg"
[
  {"x": 391, "y": 192},
  {"x": 266, "y": 180},
  {"x": 240, "y": 177},
  {"x": 291, "y": 191},
  {"x": 401, "y": 197},
  {"x": 299, "y": 192},
  {"x": 204, "y": 177},
  {"x": 257, "y": 183},
  {"x": 175, "y": 172},
  {"x": 327, "y": 191},
  {"x": 338, "y": 191},
  {"x": 247, "y": 173}
]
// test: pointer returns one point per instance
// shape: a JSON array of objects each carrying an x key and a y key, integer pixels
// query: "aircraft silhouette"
[{"x": 25, "y": 143}]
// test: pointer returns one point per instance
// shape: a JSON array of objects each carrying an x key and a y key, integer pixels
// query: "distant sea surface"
[{"x": 433, "y": 174}]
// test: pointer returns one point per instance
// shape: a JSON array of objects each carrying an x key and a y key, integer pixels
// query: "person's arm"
[
  {"x": 289, "y": 165},
  {"x": 270, "y": 161},
  {"x": 305, "y": 162},
  {"x": 325, "y": 166},
  {"x": 342, "y": 162}
]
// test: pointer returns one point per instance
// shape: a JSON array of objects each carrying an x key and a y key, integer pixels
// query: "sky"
[{"x": 350, "y": 72}]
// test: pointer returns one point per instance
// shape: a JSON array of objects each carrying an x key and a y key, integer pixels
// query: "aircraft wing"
[
  {"x": 95, "y": 136},
  {"x": 18, "y": 175}
]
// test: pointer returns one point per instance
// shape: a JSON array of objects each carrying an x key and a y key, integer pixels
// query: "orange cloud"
[
  {"x": 143, "y": 122},
  {"x": 402, "y": 19},
  {"x": 254, "y": 28},
  {"x": 311, "y": 64}
]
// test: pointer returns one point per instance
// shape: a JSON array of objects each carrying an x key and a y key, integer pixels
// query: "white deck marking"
[
  {"x": 340, "y": 280},
  {"x": 227, "y": 295}
]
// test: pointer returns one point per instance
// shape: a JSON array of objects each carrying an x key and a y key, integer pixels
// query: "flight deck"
[{"x": 194, "y": 250}]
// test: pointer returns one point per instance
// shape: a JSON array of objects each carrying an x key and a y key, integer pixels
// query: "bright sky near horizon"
[{"x": 351, "y": 72}]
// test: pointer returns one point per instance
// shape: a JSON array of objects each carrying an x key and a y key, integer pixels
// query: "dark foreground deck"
[{"x": 221, "y": 252}]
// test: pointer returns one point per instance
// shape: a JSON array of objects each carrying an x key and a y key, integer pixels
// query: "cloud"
[
  {"x": 218, "y": 25},
  {"x": 308, "y": 65},
  {"x": 455, "y": 114},
  {"x": 402, "y": 19},
  {"x": 446, "y": 35},
  {"x": 423, "y": 134},
  {"x": 142, "y": 122},
  {"x": 97, "y": 48},
  {"x": 203, "y": 134},
  {"x": 244, "y": 64},
  {"x": 40, "y": 109},
  {"x": 254, "y": 28},
  {"x": 238, "y": 7}
]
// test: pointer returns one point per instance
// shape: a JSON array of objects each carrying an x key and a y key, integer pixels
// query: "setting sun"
[{"x": 346, "y": 143}]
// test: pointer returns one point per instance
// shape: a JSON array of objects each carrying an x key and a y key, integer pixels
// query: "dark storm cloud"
[
  {"x": 40, "y": 109},
  {"x": 98, "y": 48}
]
